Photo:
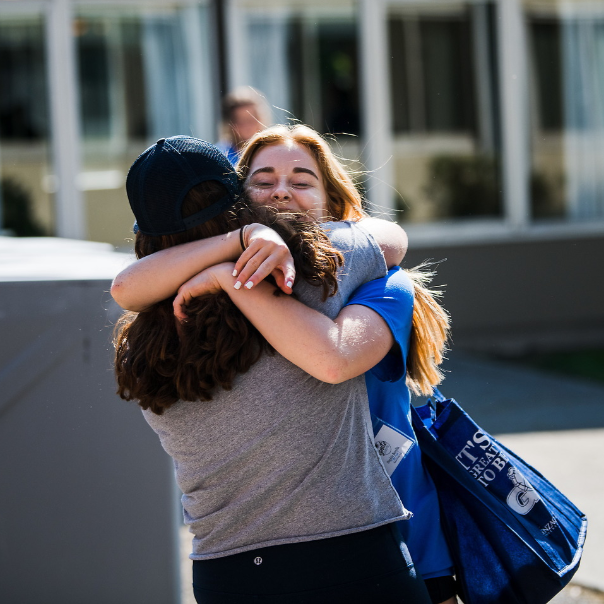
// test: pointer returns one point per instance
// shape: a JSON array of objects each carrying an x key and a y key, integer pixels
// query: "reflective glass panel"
[
  {"x": 443, "y": 87},
  {"x": 26, "y": 198},
  {"x": 303, "y": 56},
  {"x": 566, "y": 84},
  {"x": 143, "y": 73}
]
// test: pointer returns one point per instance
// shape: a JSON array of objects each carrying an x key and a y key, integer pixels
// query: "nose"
[{"x": 281, "y": 192}]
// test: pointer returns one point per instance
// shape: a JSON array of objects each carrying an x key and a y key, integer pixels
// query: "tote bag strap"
[{"x": 438, "y": 395}]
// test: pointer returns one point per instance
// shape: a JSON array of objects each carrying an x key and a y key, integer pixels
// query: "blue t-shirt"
[
  {"x": 389, "y": 400},
  {"x": 229, "y": 150}
]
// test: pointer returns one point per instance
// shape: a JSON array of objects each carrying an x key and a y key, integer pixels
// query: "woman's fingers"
[
  {"x": 255, "y": 265},
  {"x": 179, "y": 304},
  {"x": 285, "y": 276},
  {"x": 248, "y": 264},
  {"x": 266, "y": 253},
  {"x": 289, "y": 272},
  {"x": 205, "y": 282},
  {"x": 245, "y": 257},
  {"x": 284, "y": 280}
]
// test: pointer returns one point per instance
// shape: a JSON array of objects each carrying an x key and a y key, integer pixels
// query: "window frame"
[
  {"x": 65, "y": 136},
  {"x": 516, "y": 223}
]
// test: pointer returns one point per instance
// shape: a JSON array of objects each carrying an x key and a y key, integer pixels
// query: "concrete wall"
[
  {"x": 516, "y": 297},
  {"x": 88, "y": 507}
]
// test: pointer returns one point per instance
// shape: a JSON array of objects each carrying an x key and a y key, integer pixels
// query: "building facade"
[{"x": 478, "y": 124}]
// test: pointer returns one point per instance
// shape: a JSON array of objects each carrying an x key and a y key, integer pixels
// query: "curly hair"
[{"x": 159, "y": 361}]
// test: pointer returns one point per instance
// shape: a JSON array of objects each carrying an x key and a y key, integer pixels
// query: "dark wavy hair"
[{"x": 159, "y": 362}]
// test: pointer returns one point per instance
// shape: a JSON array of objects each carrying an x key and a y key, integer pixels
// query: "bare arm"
[
  {"x": 391, "y": 238},
  {"x": 158, "y": 276},
  {"x": 332, "y": 351}
]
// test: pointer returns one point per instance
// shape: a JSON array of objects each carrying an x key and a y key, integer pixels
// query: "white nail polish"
[
  {"x": 290, "y": 284},
  {"x": 249, "y": 285},
  {"x": 235, "y": 273},
  {"x": 238, "y": 285}
]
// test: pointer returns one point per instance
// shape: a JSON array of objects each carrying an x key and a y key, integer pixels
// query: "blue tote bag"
[{"x": 514, "y": 538}]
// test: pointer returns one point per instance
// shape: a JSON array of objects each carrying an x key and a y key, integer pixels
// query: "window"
[
  {"x": 26, "y": 201},
  {"x": 303, "y": 57},
  {"x": 432, "y": 78},
  {"x": 144, "y": 72},
  {"x": 567, "y": 134},
  {"x": 444, "y": 110}
]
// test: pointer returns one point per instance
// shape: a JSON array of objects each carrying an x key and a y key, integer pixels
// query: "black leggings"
[{"x": 372, "y": 565}]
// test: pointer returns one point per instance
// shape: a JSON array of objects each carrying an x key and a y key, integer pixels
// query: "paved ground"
[
  {"x": 575, "y": 594},
  {"x": 555, "y": 423}
]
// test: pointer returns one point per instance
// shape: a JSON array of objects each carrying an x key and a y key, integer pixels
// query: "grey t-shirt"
[{"x": 283, "y": 457}]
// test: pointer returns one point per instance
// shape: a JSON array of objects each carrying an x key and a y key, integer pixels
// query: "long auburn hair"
[
  {"x": 430, "y": 329},
  {"x": 158, "y": 361},
  {"x": 431, "y": 325},
  {"x": 343, "y": 199}
]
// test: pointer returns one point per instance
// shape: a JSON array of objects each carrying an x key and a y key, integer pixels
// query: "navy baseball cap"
[{"x": 163, "y": 174}]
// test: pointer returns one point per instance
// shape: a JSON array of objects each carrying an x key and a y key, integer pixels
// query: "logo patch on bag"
[
  {"x": 522, "y": 497},
  {"x": 392, "y": 446}
]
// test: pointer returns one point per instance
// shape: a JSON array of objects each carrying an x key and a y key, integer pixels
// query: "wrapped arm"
[
  {"x": 391, "y": 238},
  {"x": 332, "y": 351},
  {"x": 158, "y": 276}
]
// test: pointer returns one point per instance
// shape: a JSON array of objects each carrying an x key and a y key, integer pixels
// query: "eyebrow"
[
  {"x": 270, "y": 170},
  {"x": 305, "y": 171}
]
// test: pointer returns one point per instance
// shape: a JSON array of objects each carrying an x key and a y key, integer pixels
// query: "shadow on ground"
[{"x": 505, "y": 398}]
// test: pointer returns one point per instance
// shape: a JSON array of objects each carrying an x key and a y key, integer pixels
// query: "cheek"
[
  {"x": 320, "y": 200},
  {"x": 259, "y": 196},
  {"x": 314, "y": 203}
]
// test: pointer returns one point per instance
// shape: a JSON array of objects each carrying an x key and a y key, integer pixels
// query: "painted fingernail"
[
  {"x": 238, "y": 285},
  {"x": 235, "y": 273},
  {"x": 249, "y": 285},
  {"x": 290, "y": 284}
]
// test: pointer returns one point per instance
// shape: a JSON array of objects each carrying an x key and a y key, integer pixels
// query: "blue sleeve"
[{"x": 391, "y": 297}]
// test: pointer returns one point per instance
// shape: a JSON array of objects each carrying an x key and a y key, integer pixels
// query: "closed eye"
[{"x": 262, "y": 184}]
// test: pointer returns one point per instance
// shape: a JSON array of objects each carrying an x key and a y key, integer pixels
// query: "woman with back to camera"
[
  {"x": 282, "y": 487},
  {"x": 268, "y": 166}
]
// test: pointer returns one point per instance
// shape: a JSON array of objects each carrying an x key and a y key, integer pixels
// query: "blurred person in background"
[{"x": 244, "y": 112}]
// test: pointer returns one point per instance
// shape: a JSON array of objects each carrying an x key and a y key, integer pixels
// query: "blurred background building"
[{"x": 480, "y": 123}]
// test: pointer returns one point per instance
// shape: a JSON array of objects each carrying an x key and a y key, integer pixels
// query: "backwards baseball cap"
[{"x": 163, "y": 174}]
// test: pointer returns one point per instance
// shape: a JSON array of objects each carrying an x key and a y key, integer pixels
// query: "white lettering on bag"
[
  {"x": 549, "y": 527},
  {"x": 484, "y": 461},
  {"x": 481, "y": 458}
]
